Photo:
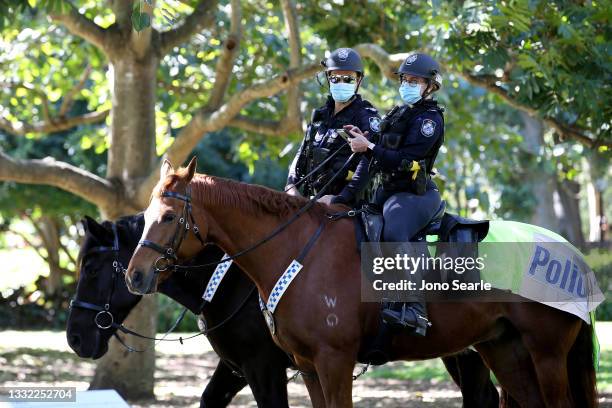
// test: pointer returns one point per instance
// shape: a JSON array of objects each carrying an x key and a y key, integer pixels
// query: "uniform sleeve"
[
  {"x": 419, "y": 140},
  {"x": 292, "y": 178},
  {"x": 369, "y": 121}
]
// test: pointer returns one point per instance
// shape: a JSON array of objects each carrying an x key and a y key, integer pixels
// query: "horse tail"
[{"x": 581, "y": 369}]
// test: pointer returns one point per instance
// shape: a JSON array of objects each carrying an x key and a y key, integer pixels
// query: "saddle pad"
[{"x": 539, "y": 265}]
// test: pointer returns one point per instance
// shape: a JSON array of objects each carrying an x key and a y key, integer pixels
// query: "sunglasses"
[
  {"x": 347, "y": 79},
  {"x": 410, "y": 81}
]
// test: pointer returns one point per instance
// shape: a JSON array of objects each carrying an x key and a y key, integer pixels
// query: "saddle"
[{"x": 446, "y": 227}]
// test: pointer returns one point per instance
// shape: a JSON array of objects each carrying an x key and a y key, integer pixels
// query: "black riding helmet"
[
  {"x": 343, "y": 59},
  {"x": 422, "y": 65}
]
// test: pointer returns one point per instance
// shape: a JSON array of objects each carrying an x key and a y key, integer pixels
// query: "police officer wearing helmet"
[
  {"x": 344, "y": 106},
  {"x": 404, "y": 155}
]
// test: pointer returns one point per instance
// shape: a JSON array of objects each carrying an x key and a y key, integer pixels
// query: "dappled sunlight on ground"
[{"x": 183, "y": 371}]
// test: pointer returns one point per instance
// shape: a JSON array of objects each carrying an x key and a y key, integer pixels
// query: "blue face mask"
[
  {"x": 342, "y": 92},
  {"x": 410, "y": 94}
]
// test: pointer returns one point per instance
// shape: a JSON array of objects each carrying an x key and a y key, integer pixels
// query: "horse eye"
[
  {"x": 90, "y": 271},
  {"x": 168, "y": 218}
]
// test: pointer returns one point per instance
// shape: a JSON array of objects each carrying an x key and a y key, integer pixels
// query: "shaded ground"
[{"x": 183, "y": 372}]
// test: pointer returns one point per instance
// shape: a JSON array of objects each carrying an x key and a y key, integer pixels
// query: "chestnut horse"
[{"x": 541, "y": 356}]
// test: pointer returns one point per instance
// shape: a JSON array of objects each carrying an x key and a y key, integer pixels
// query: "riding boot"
[{"x": 412, "y": 314}]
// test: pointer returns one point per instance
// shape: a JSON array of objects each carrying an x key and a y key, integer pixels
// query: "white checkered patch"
[
  {"x": 216, "y": 278},
  {"x": 282, "y": 284}
]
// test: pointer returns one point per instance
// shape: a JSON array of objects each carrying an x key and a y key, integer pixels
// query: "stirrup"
[{"x": 399, "y": 319}]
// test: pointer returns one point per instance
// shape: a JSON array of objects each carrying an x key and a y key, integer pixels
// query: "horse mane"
[{"x": 249, "y": 198}]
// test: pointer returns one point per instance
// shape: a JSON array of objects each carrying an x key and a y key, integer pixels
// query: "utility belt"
[{"x": 411, "y": 176}]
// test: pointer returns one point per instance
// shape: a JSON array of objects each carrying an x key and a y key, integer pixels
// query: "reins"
[
  {"x": 103, "y": 312},
  {"x": 278, "y": 229}
]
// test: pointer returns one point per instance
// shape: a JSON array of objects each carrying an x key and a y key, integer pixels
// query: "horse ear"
[
  {"x": 93, "y": 227},
  {"x": 191, "y": 168},
  {"x": 166, "y": 168},
  {"x": 87, "y": 223}
]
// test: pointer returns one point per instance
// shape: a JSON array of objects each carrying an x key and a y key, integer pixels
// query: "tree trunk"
[
  {"x": 131, "y": 158},
  {"x": 572, "y": 224},
  {"x": 597, "y": 167},
  {"x": 49, "y": 231},
  {"x": 131, "y": 374},
  {"x": 542, "y": 184}
]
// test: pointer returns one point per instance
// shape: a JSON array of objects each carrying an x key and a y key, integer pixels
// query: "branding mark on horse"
[
  {"x": 330, "y": 301},
  {"x": 332, "y": 320}
]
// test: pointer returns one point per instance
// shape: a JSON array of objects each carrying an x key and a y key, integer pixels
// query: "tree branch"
[
  {"x": 204, "y": 121},
  {"x": 388, "y": 64},
  {"x": 203, "y": 16},
  {"x": 83, "y": 27},
  {"x": 54, "y": 125},
  {"x": 68, "y": 99},
  {"x": 31, "y": 244},
  {"x": 59, "y": 174},
  {"x": 225, "y": 64},
  {"x": 294, "y": 113},
  {"x": 564, "y": 130},
  {"x": 264, "y": 127}
]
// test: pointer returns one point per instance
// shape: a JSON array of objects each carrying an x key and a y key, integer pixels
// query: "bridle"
[
  {"x": 104, "y": 311},
  {"x": 168, "y": 258},
  {"x": 118, "y": 270}
]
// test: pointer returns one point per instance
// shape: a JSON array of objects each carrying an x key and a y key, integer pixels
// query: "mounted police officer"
[
  {"x": 344, "y": 106},
  {"x": 404, "y": 154}
]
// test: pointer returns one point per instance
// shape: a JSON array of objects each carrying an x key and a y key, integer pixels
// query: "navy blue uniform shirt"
[
  {"x": 422, "y": 127},
  {"x": 359, "y": 113}
]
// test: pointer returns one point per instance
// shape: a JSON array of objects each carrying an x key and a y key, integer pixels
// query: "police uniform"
[
  {"x": 322, "y": 140},
  {"x": 408, "y": 133}
]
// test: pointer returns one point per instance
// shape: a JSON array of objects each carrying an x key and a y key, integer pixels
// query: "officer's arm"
[
  {"x": 359, "y": 181},
  {"x": 292, "y": 178},
  {"x": 417, "y": 143}
]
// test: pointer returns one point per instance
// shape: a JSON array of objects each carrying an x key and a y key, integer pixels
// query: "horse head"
[
  {"x": 170, "y": 232},
  {"x": 102, "y": 299}
]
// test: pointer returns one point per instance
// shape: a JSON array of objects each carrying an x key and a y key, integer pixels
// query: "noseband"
[
  {"x": 168, "y": 258},
  {"x": 118, "y": 270}
]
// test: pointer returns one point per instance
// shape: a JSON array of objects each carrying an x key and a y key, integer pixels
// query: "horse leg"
[
  {"x": 268, "y": 382},
  {"x": 315, "y": 391},
  {"x": 309, "y": 375},
  {"x": 222, "y": 387},
  {"x": 512, "y": 365},
  {"x": 335, "y": 372},
  {"x": 473, "y": 377},
  {"x": 506, "y": 401},
  {"x": 553, "y": 379},
  {"x": 549, "y": 345}
]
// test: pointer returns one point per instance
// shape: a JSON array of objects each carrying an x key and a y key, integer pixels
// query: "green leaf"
[{"x": 140, "y": 20}]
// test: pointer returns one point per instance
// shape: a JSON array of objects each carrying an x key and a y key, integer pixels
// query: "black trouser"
[{"x": 405, "y": 213}]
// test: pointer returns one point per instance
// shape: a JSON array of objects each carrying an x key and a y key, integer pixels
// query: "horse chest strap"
[
  {"x": 216, "y": 278},
  {"x": 282, "y": 284}
]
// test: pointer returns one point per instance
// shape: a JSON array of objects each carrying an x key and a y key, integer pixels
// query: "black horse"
[{"x": 248, "y": 353}]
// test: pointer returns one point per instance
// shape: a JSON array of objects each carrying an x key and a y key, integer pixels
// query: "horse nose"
[
  {"x": 137, "y": 279},
  {"x": 74, "y": 340}
]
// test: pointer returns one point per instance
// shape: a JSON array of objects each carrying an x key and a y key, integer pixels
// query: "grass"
[{"x": 434, "y": 370}]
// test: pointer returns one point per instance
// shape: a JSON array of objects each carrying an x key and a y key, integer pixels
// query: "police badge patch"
[
  {"x": 343, "y": 54},
  {"x": 375, "y": 124},
  {"x": 411, "y": 59},
  {"x": 428, "y": 127}
]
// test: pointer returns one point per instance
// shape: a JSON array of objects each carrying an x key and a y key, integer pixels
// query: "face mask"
[
  {"x": 342, "y": 92},
  {"x": 410, "y": 94}
]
